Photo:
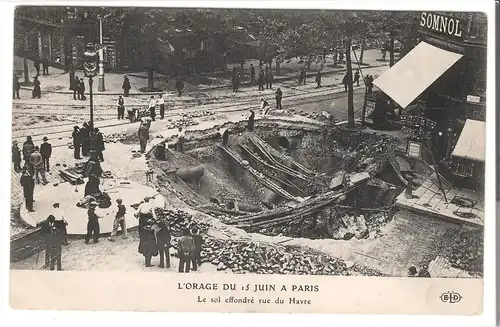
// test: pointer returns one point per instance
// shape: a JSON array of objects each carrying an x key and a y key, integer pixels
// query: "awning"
[
  {"x": 470, "y": 144},
  {"x": 415, "y": 72}
]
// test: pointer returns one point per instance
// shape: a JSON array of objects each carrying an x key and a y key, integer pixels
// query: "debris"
[{"x": 337, "y": 180}]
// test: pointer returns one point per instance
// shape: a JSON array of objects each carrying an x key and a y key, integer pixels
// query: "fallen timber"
[
  {"x": 279, "y": 166},
  {"x": 256, "y": 158},
  {"x": 305, "y": 208},
  {"x": 277, "y": 155},
  {"x": 265, "y": 181}
]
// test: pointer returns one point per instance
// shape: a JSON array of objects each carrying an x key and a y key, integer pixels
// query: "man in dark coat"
[
  {"x": 269, "y": 79},
  {"x": 251, "y": 121},
  {"x": 198, "y": 240},
  {"x": 15, "y": 88},
  {"x": 75, "y": 86},
  {"x": 36, "y": 63},
  {"x": 16, "y": 157},
  {"x": 235, "y": 80},
  {"x": 37, "y": 91},
  {"x": 179, "y": 86},
  {"x": 345, "y": 81},
  {"x": 81, "y": 89},
  {"x": 98, "y": 144},
  {"x": 163, "y": 238},
  {"x": 93, "y": 228},
  {"x": 85, "y": 139},
  {"x": 356, "y": 77},
  {"x": 46, "y": 231},
  {"x": 46, "y": 152},
  {"x": 121, "y": 108},
  {"x": 279, "y": 95},
  {"x": 369, "y": 83},
  {"x": 28, "y": 185},
  {"x": 302, "y": 76},
  {"x": 252, "y": 74},
  {"x": 45, "y": 66},
  {"x": 28, "y": 149},
  {"x": 185, "y": 251},
  {"x": 126, "y": 86},
  {"x": 77, "y": 142},
  {"x": 93, "y": 166},
  {"x": 261, "y": 80},
  {"x": 318, "y": 79}
]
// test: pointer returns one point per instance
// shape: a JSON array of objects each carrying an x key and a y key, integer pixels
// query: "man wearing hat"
[
  {"x": 46, "y": 152},
  {"x": 37, "y": 162},
  {"x": 119, "y": 221},
  {"x": 93, "y": 228},
  {"x": 16, "y": 157},
  {"x": 61, "y": 223},
  {"x": 16, "y": 87},
  {"x": 28, "y": 185}
]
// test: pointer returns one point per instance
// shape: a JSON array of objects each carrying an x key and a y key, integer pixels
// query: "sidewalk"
[{"x": 58, "y": 81}]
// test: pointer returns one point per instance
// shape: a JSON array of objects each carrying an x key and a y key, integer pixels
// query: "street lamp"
[
  {"x": 101, "y": 86},
  {"x": 90, "y": 70}
]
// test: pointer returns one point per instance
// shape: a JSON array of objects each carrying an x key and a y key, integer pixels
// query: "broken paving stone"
[{"x": 359, "y": 177}]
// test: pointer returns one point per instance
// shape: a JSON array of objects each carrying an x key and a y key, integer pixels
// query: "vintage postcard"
[{"x": 264, "y": 160}]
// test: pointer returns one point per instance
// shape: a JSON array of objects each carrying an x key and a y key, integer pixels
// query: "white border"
[{"x": 141, "y": 319}]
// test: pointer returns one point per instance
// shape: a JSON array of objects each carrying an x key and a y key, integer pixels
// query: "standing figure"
[
  {"x": 15, "y": 88},
  {"x": 143, "y": 133},
  {"x": 269, "y": 79},
  {"x": 146, "y": 215},
  {"x": 161, "y": 102},
  {"x": 37, "y": 91},
  {"x": 45, "y": 66},
  {"x": 121, "y": 107},
  {"x": 345, "y": 81},
  {"x": 251, "y": 121},
  {"x": 185, "y": 251},
  {"x": 261, "y": 80},
  {"x": 81, "y": 89},
  {"x": 126, "y": 86},
  {"x": 164, "y": 238},
  {"x": 152, "y": 108},
  {"x": 77, "y": 142},
  {"x": 46, "y": 152},
  {"x": 28, "y": 185},
  {"x": 36, "y": 63},
  {"x": 37, "y": 163},
  {"x": 318, "y": 79},
  {"x": 264, "y": 107},
  {"x": 235, "y": 80},
  {"x": 93, "y": 228},
  {"x": 181, "y": 136},
  {"x": 179, "y": 85},
  {"x": 279, "y": 95},
  {"x": 47, "y": 233},
  {"x": 198, "y": 241},
  {"x": 252, "y": 74},
  {"x": 99, "y": 143},
  {"x": 119, "y": 221},
  {"x": 85, "y": 139},
  {"x": 356, "y": 77},
  {"x": 75, "y": 87},
  {"x": 369, "y": 85},
  {"x": 16, "y": 157},
  {"x": 28, "y": 148}
]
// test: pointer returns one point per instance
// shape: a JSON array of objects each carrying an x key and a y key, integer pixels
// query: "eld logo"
[{"x": 450, "y": 297}]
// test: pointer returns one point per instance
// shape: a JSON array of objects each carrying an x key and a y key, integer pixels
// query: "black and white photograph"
[{"x": 252, "y": 141}]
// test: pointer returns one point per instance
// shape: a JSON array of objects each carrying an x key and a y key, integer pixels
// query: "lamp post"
[
  {"x": 90, "y": 69},
  {"x": 101, "y": 86}
]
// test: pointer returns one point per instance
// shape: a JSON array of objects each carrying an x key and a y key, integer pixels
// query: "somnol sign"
[{"x": 440, "y": 23}]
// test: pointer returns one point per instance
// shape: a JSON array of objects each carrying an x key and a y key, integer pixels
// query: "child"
[
  {"x": 119, "y": 221},
  {"x": 198, "y": 240}
]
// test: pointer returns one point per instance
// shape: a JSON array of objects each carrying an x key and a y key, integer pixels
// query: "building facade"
[{"x": 444, "y": 77}]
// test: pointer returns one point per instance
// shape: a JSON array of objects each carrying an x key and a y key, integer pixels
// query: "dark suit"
[{"x": 46, "y": 152}]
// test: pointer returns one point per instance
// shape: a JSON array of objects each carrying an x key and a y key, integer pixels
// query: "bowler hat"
[
  {"x": 56, "y": 205},
  {"x": 45, "y": 138}
]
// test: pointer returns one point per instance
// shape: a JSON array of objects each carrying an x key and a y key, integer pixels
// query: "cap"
[
  {"x": 56, "y": 205},
  {"x": 14, "y": 142},
  {"x": 45, "y": 138}
]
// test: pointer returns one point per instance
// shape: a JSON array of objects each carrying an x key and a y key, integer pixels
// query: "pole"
[
  {"x": 101, "y": 86},
  {"x": 91, "y": 106}
]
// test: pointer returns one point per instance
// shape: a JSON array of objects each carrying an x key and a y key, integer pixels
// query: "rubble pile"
[
  {"x": 464, "y": 250},
  {"x": 179, "y": 220},
  {"x": 188, "y": 119},
  {"x": 115, "y": 137},
  {"x": 323, "y": 116}
]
